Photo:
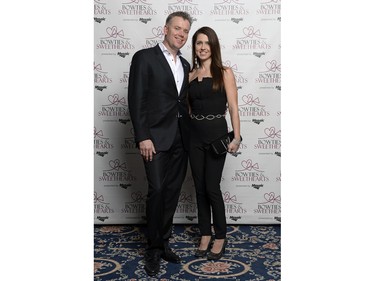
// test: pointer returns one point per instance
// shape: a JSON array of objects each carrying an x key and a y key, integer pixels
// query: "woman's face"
[{"x": 202, "y": 47}]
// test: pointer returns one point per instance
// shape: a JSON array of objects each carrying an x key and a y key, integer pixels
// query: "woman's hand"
[{"x": 234, "y": 146}]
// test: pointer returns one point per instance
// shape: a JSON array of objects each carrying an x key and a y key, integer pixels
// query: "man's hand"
[{"x": 147, "y": 149}]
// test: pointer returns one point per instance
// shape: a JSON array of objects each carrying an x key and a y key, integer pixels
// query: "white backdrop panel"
[{"x": 249, "y": 33}]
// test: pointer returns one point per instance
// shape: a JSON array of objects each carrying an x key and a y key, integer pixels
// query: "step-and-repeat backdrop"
[{"x": 249, "y": 33}]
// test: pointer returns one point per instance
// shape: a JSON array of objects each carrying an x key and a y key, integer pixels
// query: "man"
[{"x": 158, "y": 82}]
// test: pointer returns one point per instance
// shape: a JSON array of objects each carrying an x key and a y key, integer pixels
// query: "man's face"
[{"x": 176, "y": 33}]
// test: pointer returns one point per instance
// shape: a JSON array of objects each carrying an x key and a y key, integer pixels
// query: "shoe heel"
[
  {"x": 217, "y": 256},
  {"x": 201, "y": 253}
]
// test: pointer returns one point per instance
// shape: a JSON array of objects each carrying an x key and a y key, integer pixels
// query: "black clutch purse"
[{"x": 220, "y": 145}]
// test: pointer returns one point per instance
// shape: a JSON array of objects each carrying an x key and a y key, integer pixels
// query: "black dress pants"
[
  {"x": 207, "y": 169},
  {"x": 165, "y": 174}
]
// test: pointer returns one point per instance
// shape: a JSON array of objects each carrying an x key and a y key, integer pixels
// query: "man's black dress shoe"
[
  {"x": 168, "y": 255},
  {"x": 152, "y": 262}
]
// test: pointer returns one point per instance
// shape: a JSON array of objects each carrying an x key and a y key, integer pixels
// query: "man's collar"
[{"x": 164, "y": 49}]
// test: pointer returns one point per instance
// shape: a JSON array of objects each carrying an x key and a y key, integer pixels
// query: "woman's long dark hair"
[{"x": 216, "y": 63}]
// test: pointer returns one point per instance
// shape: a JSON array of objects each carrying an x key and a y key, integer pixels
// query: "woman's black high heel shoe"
[
  {"x": 217, "y": 256},
  {"x": 202, "y": 253}
]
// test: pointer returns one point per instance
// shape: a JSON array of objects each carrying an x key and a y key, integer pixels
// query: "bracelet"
[{"x": 236, "y": 142}]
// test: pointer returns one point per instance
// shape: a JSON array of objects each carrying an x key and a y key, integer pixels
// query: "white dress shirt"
[{"x": 176, "y": 66}]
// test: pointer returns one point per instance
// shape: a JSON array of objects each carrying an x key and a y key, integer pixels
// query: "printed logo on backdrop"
[
  {"x": 187, "y": 206},
  {"x": 269, "y": 7},
  {"x": 125, "y": 79},
  {"x": 136, "y": 205},
  {"x": 250, "y": 38},
  {"x": 114, "y": 38},
  {"x": 257, "y": 186},
  {"x": 189, "y": 6},
  {"x": 99, "y": 20},
  {"x": 229, "y": 8},
  {"x": 136, "y": 8},
  {"x": 115, "y": 106},
  {"x": 102, "y": 219},
  {"x": 240, "y": 78},
  {"x": 278, "y": 179},
  {"x": 129, "y": 143},
  {"x": 100, "y": 8},
  {"x": 233, "y": 207},
  {"x": 122, "y": 54},
  {"x": 101, "y": 206},
  {"x": 101, "y": 143},
  {"x": 271, "y": 139},
  {"x": 117, "y": 174},
  {"x": 271, "y": 73},
  {"x": 249, "y": 172},
  {"x": 259, "y": 54},
  {"x": 124, "y": 121},
  {"x": 248, "y": 105},
  {"x": 270, "y": 204},
  {"x": 101, "y": 77},
  {"x": 155, "y": 36}
]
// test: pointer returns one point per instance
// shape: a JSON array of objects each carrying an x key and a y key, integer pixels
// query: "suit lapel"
[
  {"x": 186, "y": 74},
  {"x": 163, "y": 62}
]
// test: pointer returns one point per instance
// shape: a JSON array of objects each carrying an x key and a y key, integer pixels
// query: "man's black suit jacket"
[{"x": 154, "y": 103}]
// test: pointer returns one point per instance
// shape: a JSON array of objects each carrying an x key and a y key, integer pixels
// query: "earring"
[{"x": 196, "y": 62}]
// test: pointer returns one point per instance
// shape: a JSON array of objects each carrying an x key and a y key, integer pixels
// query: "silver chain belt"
[{"x": 207, "y": 117}]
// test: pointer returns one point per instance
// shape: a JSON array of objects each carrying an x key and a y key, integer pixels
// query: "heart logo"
[
  {"x": 271, "y": 198},
  {"x": 114, "y": 164},
  {"x": 271, "y": 132},
  {"x": 249, "y": 100},
  {"x": 249, "y": 32},
  {"x": 137, "y": 197},
  {"x": 248, "y": 165},
  {"x": 112, "y": 32},
  {"x": 272, "y": 66},
  {"x": 158, "y": 32},
  {"x": 228, "y": 198},
  {"x": 115, "y": 99}
]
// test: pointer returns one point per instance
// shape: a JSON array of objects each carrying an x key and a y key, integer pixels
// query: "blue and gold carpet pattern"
[{"x": 253, "y": 253}]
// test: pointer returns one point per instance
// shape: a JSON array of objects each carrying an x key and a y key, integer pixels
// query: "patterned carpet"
[{"x": 253, "y": 253}]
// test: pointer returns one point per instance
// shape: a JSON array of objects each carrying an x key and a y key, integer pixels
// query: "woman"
[{"x": 212, "y": 90}]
